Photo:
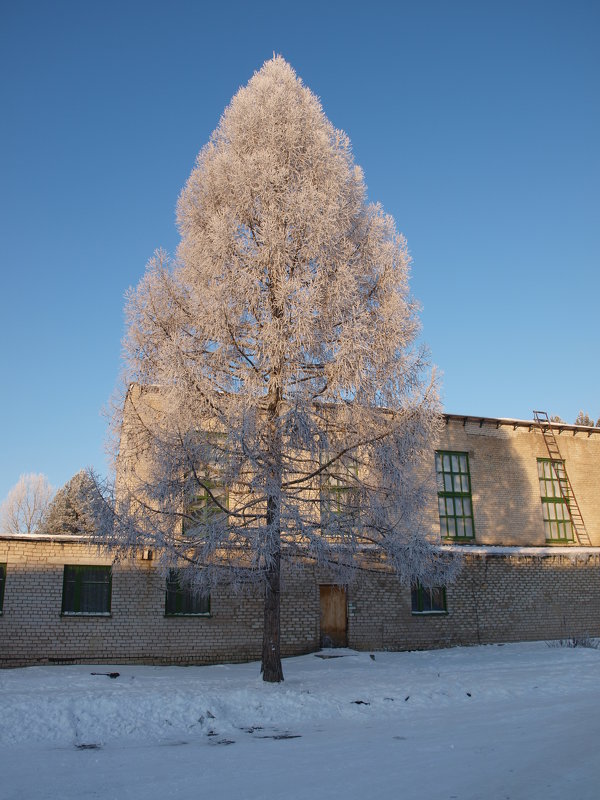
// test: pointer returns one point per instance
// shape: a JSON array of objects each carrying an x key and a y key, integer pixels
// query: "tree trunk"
[{"x": 271, "y": 668}]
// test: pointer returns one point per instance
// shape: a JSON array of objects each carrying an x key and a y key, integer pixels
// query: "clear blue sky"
[{"x": 477, "y": 125}]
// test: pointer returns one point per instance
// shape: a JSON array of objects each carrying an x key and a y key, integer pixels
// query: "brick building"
[{"x": 531, "y": 571}]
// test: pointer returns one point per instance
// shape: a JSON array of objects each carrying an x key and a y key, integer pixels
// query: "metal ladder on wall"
[{"x": 566, "y": 488}]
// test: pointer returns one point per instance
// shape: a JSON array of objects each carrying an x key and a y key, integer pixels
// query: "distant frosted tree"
[
  {"x": 26, "y": 504},
  {"x": 279, "y": 409},
  {"x": 68, "y": 512},
  {"x": 585, "y": 419}
]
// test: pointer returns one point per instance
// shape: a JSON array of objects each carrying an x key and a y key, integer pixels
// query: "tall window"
[
  {"x": 339, "y": 498},
  {"x": 207, "y": 504},
  {"x": 454, "y": 495},
  {"x": 86, "y": 590},
  {"x": 428, "y": 601},
  {"x": 2, "y": 582},
  {"x": 180, "y": 600},
  {"x": 208, "y": 501},
  {"x": 557, "y": 522}
]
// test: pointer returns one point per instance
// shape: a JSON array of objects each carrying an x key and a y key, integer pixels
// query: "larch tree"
[
  {"x": 278, "y": 410},
  {"x": 25, "y": 507}
]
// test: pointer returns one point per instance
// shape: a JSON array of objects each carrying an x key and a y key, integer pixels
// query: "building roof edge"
[{"x": 518, "y": 423}]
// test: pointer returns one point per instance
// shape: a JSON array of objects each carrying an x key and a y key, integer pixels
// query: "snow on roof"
[
  {"x": 512, "y": 550},
  {"x": 47, "y": 537},
  {"x": 518, "y": 423}
]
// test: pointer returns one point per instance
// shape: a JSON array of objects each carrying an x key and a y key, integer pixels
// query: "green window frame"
[
  {"x": 558, "y": 526},
  {"x": 455, "y": 504},
  {"x": 426, "y": 600},
  {"x": 87, "y": 589},
  {"x": 205, "y": 505},
  {"x": 2, "y": 584},
  {"x": 339, "y": 496},
  {"x": 181, "y": 601}
]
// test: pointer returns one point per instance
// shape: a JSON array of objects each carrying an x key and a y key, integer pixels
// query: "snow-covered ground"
[{"x": 516, "y": 721}]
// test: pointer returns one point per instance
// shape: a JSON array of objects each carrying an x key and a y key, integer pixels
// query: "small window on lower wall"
[
  {"x": 428, "y": 601},
  {"x": 2, "y": 582},
  {"x": 86, "y": 589},
  {"x": 181, "y": 600}
]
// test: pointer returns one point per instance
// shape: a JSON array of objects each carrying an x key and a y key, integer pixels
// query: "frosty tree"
[
  {"x": 68, "y": 511},
  {"x": 276, "y": 411},
  {"x": 25, "y": 507},
  {"x": 583, "y": 418}
]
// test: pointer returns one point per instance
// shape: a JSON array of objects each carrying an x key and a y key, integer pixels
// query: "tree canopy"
[
  {"x": 583, "y": 418},
  {"x": 25, "y": 507},
  {"x": 68, "y": 512}
]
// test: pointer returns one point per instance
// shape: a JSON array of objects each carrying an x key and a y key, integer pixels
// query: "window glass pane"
[
  {"x": 438, "y": 599},
  {"x": 414, "y": 598},
  {"x": 468, "y": 527},
  {"x": 458, "y": 505},
  {"x": 451, "y": 528},
  {"x": 463, "y": 463},
  {"x": 446, "y": 463},
  {"x": 69, "y": 589},
  {"x": 95, "y": 584},
  {"x": 460, "y": 527},
  {"x": 455, "y": 464},
  {"x": 561, "y": 530},
  {"x": 425, "y": 599},
  {"x": 171, "y": 599},
  {"x": 438, "y": 463},
  {"x": 450, "y": 506},
  {"x": 94, "y": 597},
  {"x": 467, "y": 506},
  {"x": 441, "y": 506},
  {"x": 448, "y": 483}
]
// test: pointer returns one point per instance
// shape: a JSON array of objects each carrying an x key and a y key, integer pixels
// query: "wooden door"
[{"x": 334, "y": 616}]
